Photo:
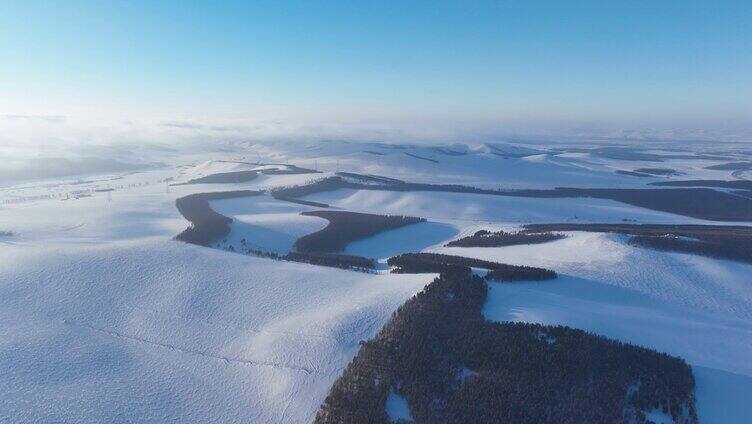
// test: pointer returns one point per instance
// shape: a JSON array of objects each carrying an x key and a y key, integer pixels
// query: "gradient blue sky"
[{"x": 629, "y": 63}]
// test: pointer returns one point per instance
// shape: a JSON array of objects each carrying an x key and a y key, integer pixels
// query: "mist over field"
[
  {"x": 375, "y": 212},
  {"x": 42, "y": 147}
]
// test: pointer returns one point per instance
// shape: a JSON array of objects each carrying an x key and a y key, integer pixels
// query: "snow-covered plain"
[
  {"x": 104, "y": 318},
  {"x": 717, "y": 345},
  {"x": 156, "y": 331},
  {"x": 694, "y": 307},
  {"x": 492, "y": 209},
  {"x": 266, "y": 223}
]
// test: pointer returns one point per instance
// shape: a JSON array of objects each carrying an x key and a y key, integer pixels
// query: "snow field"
[
  {"x": 104, "y": 319},
  {"x": 160, "y": 330}
]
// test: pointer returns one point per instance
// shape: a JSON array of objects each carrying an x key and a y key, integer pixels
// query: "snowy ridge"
[{"x": 104, "y": 318}]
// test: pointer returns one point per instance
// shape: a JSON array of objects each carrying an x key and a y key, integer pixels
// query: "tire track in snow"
[
  {"x": 220, "y": 323},
  {"x": 227, "y": 359}
]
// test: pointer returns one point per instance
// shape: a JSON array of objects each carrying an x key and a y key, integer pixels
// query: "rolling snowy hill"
[{"x": 105, "y": 318}]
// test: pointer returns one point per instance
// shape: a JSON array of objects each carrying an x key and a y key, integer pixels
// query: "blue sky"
[{"x": 630, "y": 63}]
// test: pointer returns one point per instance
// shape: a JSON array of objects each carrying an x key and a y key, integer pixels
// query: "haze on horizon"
[
  {"x": 423, "y": 70},
  {"x": 389, "y": 212}
]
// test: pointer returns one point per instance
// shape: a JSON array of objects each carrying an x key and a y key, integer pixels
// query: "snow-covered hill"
[{"x": 105, "y": 318}]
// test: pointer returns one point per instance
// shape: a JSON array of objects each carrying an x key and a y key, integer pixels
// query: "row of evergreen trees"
[
  {"x": 485, "y": 238},
  {"x": 345, "y": 227},
  {"x": 349, "y": 262},
  {"x": 717, "y": 241},
  {"x": 452, "y": 366},
  {"x": 224, "y": 178},
  {"x": 702, "y": 203},
  {"x": 207, "y": 226},
  {"x": 739, "y": 249},
  {"x": 412, "y": 263}
]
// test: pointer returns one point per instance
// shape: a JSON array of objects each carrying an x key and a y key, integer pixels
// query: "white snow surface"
[
  {"x": 161, "y": 331},
  {"x": 104, "y": 318},
  {"x": 266, "y": 223},
  {"x": 492, "y": 208},
  {"x": 410, "y": 238},
  {"x": 693, "y": 307}
]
